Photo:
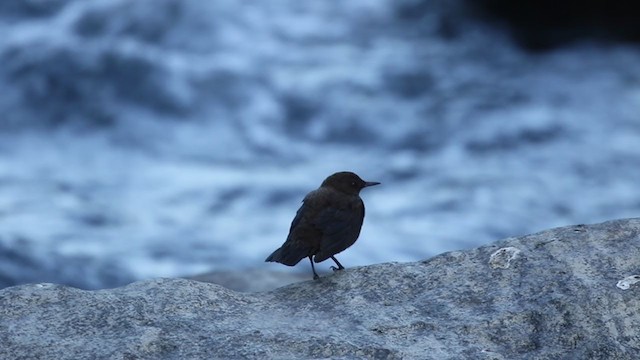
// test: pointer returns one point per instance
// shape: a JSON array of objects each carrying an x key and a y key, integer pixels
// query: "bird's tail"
[
  {"x": 274, "y": 256},
  {"x": 286, "y": 255}
]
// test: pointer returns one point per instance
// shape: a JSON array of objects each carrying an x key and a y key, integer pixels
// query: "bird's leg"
[
  {"x": 313, "y": 268},
  {"x": 340, "y": 267}
]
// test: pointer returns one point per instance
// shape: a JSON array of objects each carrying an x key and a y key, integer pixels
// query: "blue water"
[{"x": 170, "y": 137}]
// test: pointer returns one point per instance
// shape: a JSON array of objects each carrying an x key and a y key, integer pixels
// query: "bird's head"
[{"x": 347, "y": 182}]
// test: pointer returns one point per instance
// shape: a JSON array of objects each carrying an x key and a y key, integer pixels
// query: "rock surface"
[{"x": 550, "y": 295}]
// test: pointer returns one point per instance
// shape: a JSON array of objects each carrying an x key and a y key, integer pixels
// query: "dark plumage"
[{"x": 328, "y": 222}]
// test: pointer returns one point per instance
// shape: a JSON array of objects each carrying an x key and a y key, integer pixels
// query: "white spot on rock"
[
  {"x": 626, "y": 283},
  {"x": 44, "y": 285},
  {"x": 501, "y": 259}
]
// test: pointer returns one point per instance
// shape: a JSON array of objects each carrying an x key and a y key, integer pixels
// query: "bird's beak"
[{"x": 371, "y": 183}]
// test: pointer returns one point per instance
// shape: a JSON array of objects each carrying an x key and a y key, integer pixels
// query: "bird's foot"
[
  {"x": 337, "y": 268},
  {"x": 316, "y": 277}
]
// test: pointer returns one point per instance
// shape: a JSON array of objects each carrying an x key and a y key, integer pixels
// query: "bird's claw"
[{"x": 336, "y": 269}]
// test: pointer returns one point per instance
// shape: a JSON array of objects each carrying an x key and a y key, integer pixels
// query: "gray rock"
[{"x": 550, "y": 295}]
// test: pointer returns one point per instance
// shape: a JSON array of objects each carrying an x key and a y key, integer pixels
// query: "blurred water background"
[{"x": 173, "y": 137}]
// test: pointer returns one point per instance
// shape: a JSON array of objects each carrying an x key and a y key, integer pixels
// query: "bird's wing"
[
  {"x": 296, "y": 220},
  {"x": 340, "y": 228},
  {"x": 292, "y": 251}
]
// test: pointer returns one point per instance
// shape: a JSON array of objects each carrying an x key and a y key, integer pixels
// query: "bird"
[{"x": 327, "y": 223}]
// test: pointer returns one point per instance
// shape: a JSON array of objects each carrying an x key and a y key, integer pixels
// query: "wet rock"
[
  {"x": 545, "y": 24},
  {"x": 557, "y": 299}
]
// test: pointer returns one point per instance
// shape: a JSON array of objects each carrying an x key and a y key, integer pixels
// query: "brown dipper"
[{"x": 328, "y": 222}]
